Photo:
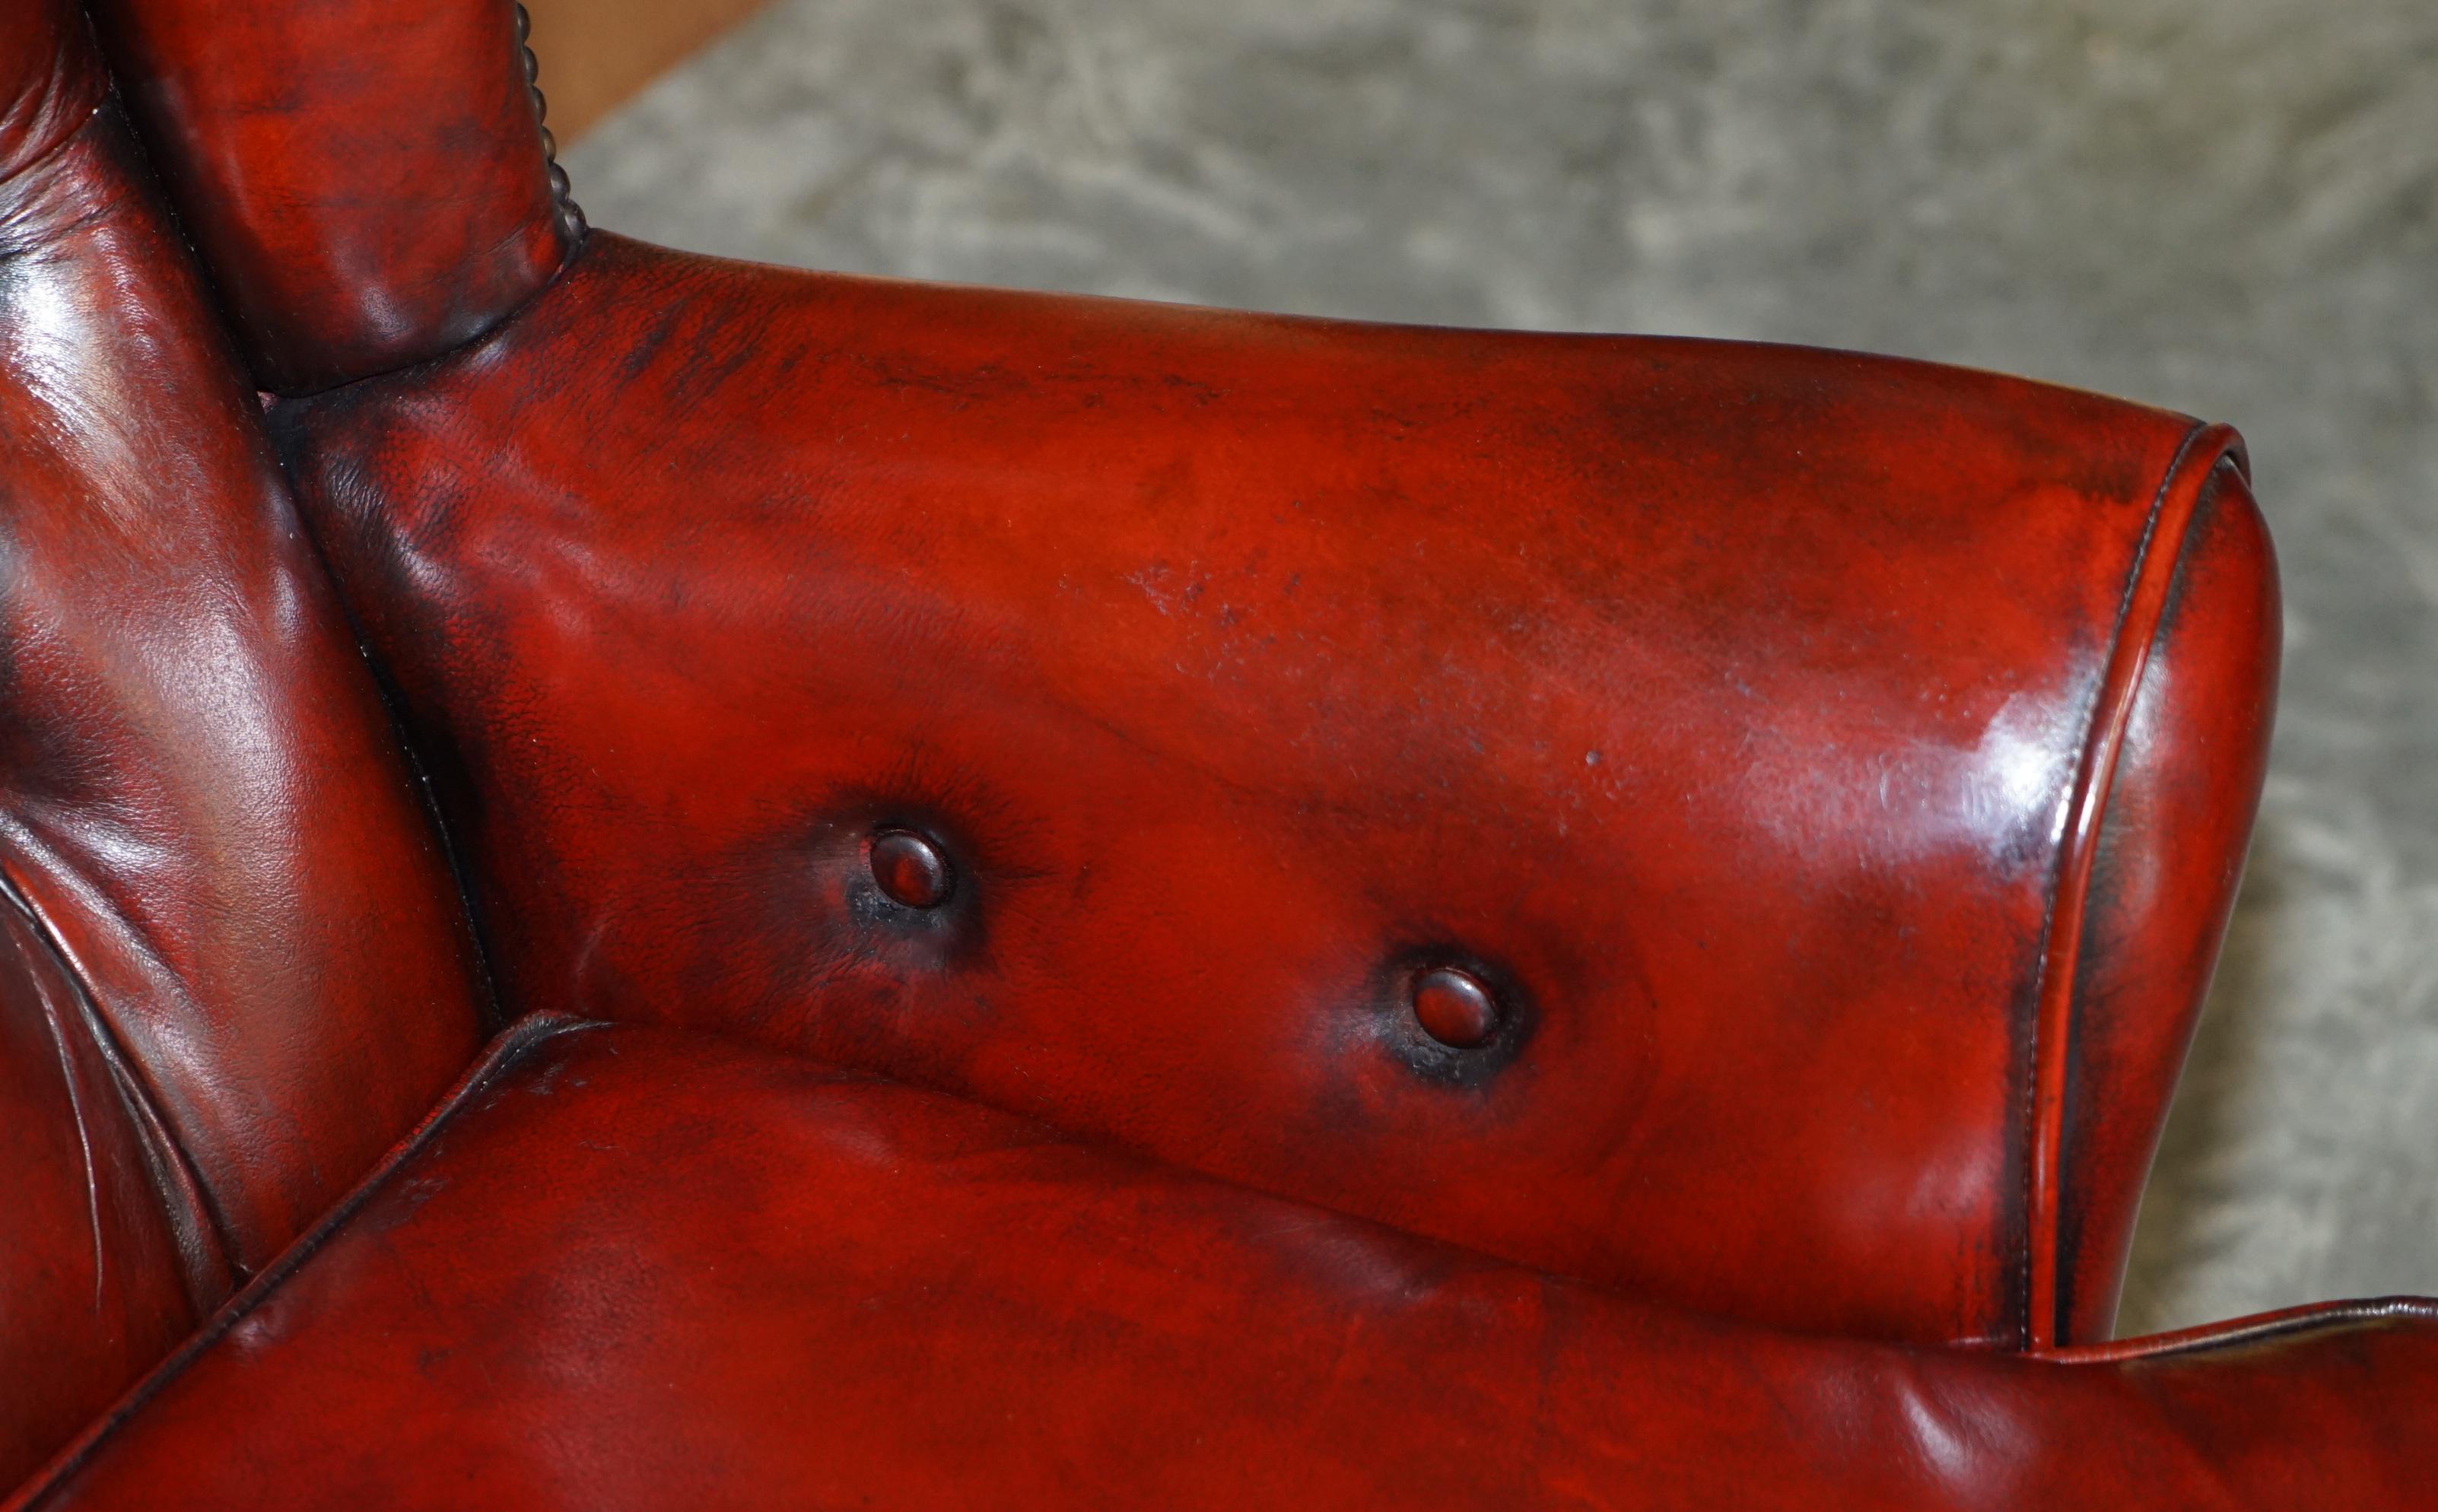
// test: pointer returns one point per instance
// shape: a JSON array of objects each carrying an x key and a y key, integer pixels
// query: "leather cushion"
[
  {"x": 203, "y": 801},
  {"x": 367, "y": 182},
  {"x": 633, "y": 1267}
]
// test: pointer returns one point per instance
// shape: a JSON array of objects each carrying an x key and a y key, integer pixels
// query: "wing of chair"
[{"x": 1074, "y": 903}]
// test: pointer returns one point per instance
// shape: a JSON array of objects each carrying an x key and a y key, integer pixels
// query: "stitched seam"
[
  {"x": 489, "y": 332},
  {"x": 2034, "y": 1337},
  {"x": 2084, "y": 801}
]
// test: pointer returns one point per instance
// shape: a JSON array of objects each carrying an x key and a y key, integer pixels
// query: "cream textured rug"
[{"x": 2228, "y": 206}]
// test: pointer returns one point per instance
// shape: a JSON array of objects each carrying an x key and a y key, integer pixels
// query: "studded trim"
[{"x": 571, "y": 217}]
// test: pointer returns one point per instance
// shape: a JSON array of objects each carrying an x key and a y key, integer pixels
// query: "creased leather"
[
  {"x": 250, "y": 953},
  {"x": 91, "y": 1277},
  {"x": 50, "y": 82}
]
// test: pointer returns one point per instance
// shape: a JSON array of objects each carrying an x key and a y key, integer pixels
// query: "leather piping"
[
  {"x": 2128, "y": 659},
  {"x": 2259, "y": 1329},
  {"x": 500, "y": 1056}
]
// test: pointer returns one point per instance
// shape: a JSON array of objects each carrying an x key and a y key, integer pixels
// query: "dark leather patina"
[{"x": 1094, "y": 902}]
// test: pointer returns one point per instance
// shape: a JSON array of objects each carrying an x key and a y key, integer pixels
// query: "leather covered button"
[
  {"x": 910, "y": 869},
  {"x": 1455, "y": 1007}
]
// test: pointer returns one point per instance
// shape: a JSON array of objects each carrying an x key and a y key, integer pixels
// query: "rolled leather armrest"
[{"x": 1751, "y": 724}]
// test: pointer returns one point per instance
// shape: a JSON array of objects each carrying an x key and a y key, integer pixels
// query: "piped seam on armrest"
[
  {"x": 2137, "y": 626},
  {"x": 2310, "y": 1317}
]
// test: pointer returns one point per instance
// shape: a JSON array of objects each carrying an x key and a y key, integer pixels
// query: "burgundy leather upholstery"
[
  {"x": 52, "y": 79},
  {"x": 206, "y": 811},
  {"x": 1655, "y": 823},
  {"x": 367, "y": 180},
  {"x": 234, "y": 969},
  {"x": 836, "y": 1291},
  {"x": 1733, "y": 709},
  {"x": 95, "y": 1278},
  {"x": 2178, "y": 810}
]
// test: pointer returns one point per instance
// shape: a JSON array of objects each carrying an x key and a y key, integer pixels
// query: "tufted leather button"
[
  {"x": 910, "y": 869},
  {"x": 1454, "y": 1008}
]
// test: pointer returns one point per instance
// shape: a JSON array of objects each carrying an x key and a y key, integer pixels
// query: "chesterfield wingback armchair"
[{"x": 637, "y": 881}]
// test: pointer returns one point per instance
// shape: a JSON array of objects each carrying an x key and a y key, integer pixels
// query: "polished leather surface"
[
  {"x": 94, "y": 1278},
  {"x": 2168, "y": 855},
  {"x": 635, "y": 1269},
  {"x": 234, "y": 948},
  {"x": 50, "y": 82},
  {"x": 91, "y": 1277},
  {"x": 1747, "y": 827},
  {"x": 365, "y": 179},
  {"x": 1736, "y": 713}
]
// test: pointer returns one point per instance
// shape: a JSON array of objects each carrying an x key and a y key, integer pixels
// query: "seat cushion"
[{"x": 630, "y": 1268}]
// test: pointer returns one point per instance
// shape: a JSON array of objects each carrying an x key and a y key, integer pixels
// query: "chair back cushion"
[{"x": 234, "y": 964}]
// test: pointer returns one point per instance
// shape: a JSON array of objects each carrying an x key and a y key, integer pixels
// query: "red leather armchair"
[{"x": 1072, "y": 902}]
